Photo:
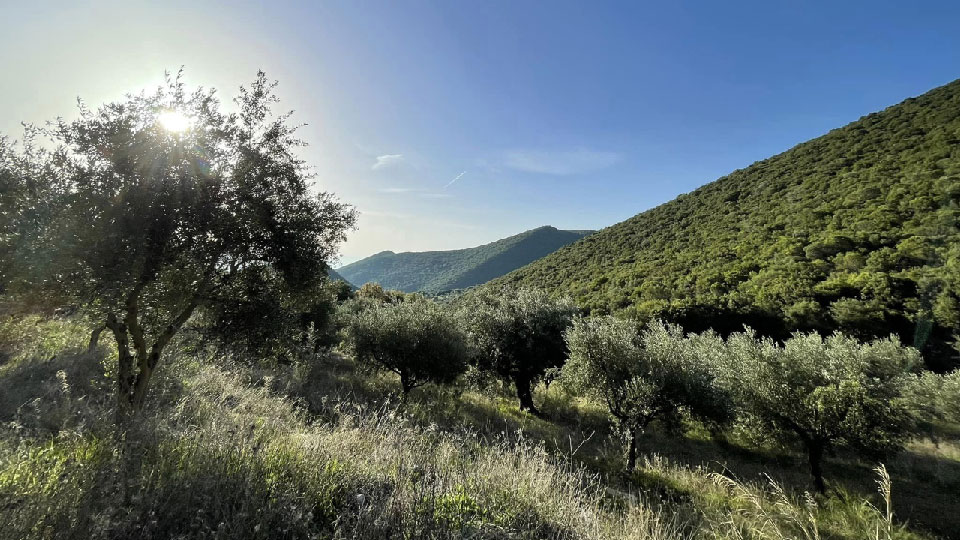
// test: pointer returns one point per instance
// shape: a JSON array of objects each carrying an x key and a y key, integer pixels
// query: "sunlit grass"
[{"x": 226, "y": 450}]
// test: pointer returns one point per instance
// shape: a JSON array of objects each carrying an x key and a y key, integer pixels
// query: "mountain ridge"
[
  {"x": 854, "y": 230},
  {"x": 439, "y": 271}
]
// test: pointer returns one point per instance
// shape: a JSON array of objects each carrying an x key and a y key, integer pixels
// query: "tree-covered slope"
[
  {"x": 437, "y": 271},
  {"x": 857, "y": 229},
  {"x": 335, "y": 276}
]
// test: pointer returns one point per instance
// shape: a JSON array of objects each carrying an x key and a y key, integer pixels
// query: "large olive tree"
[
  {"x": 826, "y": 393},
  {"x": 641, "y": 375},
  {"x": 167, "y": 205},
  {"x": 518, "y": 335}
]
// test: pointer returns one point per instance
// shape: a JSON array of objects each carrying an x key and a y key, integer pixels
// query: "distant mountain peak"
[{"x": 438, "y": 271}]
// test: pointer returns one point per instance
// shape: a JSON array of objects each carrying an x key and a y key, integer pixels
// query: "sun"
[{"x": 174, "y": 121}]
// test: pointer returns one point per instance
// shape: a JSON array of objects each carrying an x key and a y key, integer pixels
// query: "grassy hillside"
[
  {"x": 857, "y": 229},
  {"x": 322, "y": 450},
  {"x": 438, "y": 271}
]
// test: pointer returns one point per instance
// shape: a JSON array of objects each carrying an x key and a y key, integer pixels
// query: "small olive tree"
[
  {"x": 825, "y": 392},
  {"x": 167, "y": 206},
  {"x": 932, "y": 397},
  {"x": 518, "y": 335},
  {"x": 641, "y": 376},
  {"x": 419, "y": 340}
]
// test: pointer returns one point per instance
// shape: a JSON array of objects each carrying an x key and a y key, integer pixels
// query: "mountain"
[
  {"x": 438, "y": 271},
  {"x": 333, "y": 275},
  {"x": 856, "y": 230}
]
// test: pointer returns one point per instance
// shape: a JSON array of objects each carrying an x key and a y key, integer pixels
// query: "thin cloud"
[
  {"x": 459, "y": 176},
  {"x": 398, "y": 190},
  {"x": 387, "y": 160},
  {"x": 560, "y": 163}
]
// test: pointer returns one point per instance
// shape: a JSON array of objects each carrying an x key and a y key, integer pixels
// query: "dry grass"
[{"x": 324, "y": 452}]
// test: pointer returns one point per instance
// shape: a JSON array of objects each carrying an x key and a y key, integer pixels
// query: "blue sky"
[{"x": 451, "y": 124}]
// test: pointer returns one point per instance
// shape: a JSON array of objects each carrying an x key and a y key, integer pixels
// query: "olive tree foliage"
[
  {"x": 152, "y": 226},
  {"x": 642, "y": 375},
  {"x": 27, "y": 201},
  {"x": 826, "y": 393},
  {"x": 518, "y": 335},
  {"x": 418, "y": 339},
  {"x": 261, "y": 320},
  {"x": 934, "y": 397}
]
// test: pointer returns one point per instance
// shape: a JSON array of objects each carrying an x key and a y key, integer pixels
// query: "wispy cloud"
[
  {"x": 560, "y": 163},
  {"x": 459, "y": 176},
  {"x": 398, "y": 190},
  {"x": 387, "y": 160}
]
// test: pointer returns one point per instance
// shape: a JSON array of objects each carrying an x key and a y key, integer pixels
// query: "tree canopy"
[
  {"x": 418, "y": 339},
  {"x": 518, "y": 335},
  {"x": 826, "y": 393},
  {"x": 642, "y": 375},
  {"x": 142, "y": 222}
]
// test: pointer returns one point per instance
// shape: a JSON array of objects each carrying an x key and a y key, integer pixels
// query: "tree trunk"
[
  {"x": 406, "y": 384},
  {"x": 632, "y": 449},
  {"x": 525, "y": 395},
  {"x": 125, "y": 376},
  {"x": 815, "y": 454},
  {"x": 95, "y": 338}
]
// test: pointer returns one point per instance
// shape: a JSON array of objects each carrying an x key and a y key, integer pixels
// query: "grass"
[{"x": 320, "y": 450}]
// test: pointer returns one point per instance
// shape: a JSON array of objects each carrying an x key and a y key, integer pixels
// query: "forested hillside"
[
  {"x": 335, "y": 276},
  {"x": 855, "y": 230},
  {"x": 437, "y": 271}
]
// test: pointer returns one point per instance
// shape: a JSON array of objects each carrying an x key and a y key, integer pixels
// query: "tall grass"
[{"x": 225, "y": 452}]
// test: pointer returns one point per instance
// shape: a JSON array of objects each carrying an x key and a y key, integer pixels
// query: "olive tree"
[
  {"x": 932, "y": 397},
  {"x": 260, "y": 320},
  {"x": 168, "y": 206},
  {"x": 826, "y": 393},
  {"x": 518, "y": 335},
  {"x": 641, "y": 375},
  {"x": 418, "y": 339}
]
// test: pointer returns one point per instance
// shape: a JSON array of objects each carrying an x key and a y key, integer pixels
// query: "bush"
[{"x": 417, "y": 339}]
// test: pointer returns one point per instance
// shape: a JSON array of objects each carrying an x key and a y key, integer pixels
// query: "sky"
[{"x": 450, "y": 124}]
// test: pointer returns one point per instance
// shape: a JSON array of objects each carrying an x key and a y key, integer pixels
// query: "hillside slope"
[
  {"x": 856, "y": 230},
  {"x": 335, "y": 276},
  {"x": 437, "y": 271}
]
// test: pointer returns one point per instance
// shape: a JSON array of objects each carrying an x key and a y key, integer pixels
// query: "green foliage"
[
  {"x": 518, "y": 335},
  {"x": 827, "y": 393},
  {"x": 934, "y": 397},
  {"x": 262, "y": 320},
  {"x": 439, "y": 271},
  {"x": 226, "y": 453},
  {"x": 856, "y": 230},
  {"x": 151, "y": 226},
  {"x": 642, "y": 376},
  {"x": 419, "y": 340}
]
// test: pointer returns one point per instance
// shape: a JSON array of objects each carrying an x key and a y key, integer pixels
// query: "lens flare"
[{"x": 174, "y": 121}]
